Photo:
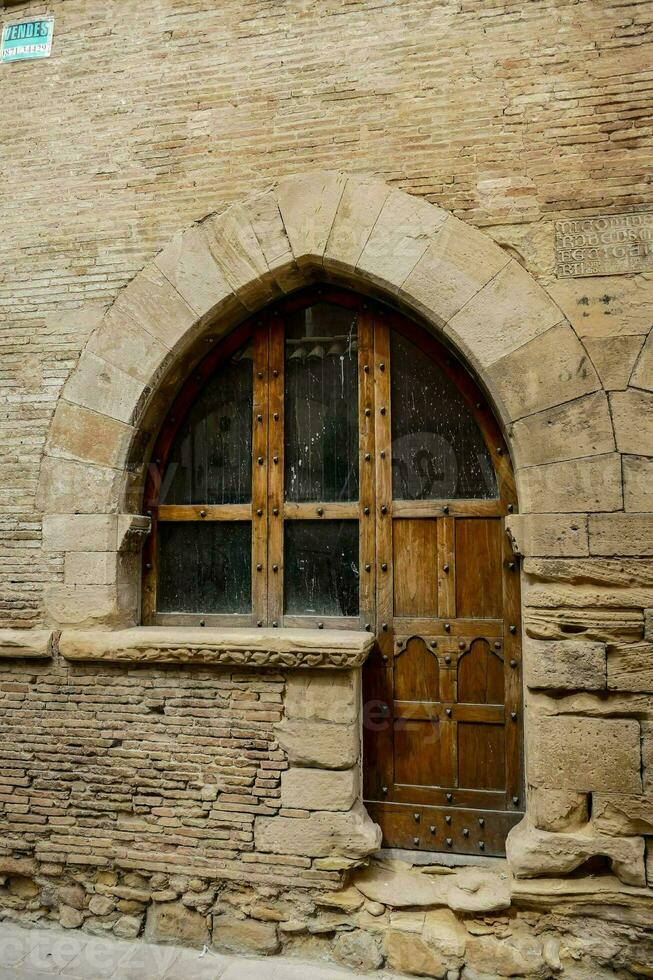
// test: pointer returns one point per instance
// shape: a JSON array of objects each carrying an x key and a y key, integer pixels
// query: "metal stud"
[
  {"x": 368, "y": 412},
  {"x": 382, "y": 454},
  {"x": 499, "y": 451},
  {"x": 511, "y": 566},
  {"x": 259, "y": 374},
  {"x": 368, "y": 567},
  {"x": 384, "y": 658},
  {"x": 320, "y": 511},
  {"x": 275, "y": 511},
  {"x": 448, "y": 712},
  {"x": 384, "y": 509},
  {"x": 447, "y": 659},
  {"x": 447, "y": 819},
  {"x": 202, "y": 513},
  {"x": 259, "y": 418},
  {"x": 381, "y": 366},
  {"x": 497, "y": 644},
  {"x": 259, "y": 622},
  {"x": 445, "y": 509},
  {"x": 275, "y": 568},
  {"x": 366, "y": 368},
  {"x": 366, "y": 511},
  {"x": 275, "y": 459},
  {"x": 513, "y": 630},
  {"x": 320, "y": 626},
  {"x": 465, "y": 832},
  {"x": 259, "y": 512},
  {"x": 384, "y": 627},
  {"x": 368, "y": 457},
  {"x": 416, "y": 841},
  {"x": 416, "y": 817},
  {"x": 481, "y": 821},
  {"x": 148, "y": 567},
  {"x": 449, "y": 797},
  {"x": 382, "y": 410},
  {"x": 274, "y": 623},
  {"x": 259, "y": 567},
  {"x": 513, "y": 664},
  {"x": 384, "y": 790},
  {"x": 461, "y": 644},
  {"x": 433, "y": 644},
  {"x": 202, "y": 622},
  {"x": 368, "y": 626},
  {"x": 481, "y": 844},
  {"x": 384, "y": 566},
  {"x": 447, "y": 627},
  {"x": 275, "y": 373},
  {"x": 432, "y": 828},
  {"x": 511, "y": 508},
  {"x": 260, "y": 461},
  {"x": 515, "y": 801},
  {"x": 513, "y": 715},
  {"x": 449, "y": 842},
  {"x": 445, "y": 568},
  {"x": 276, "y": 416}
]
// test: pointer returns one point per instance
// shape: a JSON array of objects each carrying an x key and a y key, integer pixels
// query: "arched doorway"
[{"x": 330, "y": 465}]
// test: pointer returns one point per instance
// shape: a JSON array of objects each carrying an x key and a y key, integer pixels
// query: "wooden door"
[{"x": 441, "y": 691}]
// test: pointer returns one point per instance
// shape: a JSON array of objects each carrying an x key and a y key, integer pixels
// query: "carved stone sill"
[
  {"x": 285, "y": 648},
  {"x": 17, "y": 644}
]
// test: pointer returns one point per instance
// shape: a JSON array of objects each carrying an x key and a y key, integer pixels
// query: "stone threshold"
[
  {"x": 274, "y": 648},
  {"x": 18, "y": 644}
]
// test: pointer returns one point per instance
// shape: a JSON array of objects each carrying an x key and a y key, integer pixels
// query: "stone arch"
[{"x": 352, "y": 230}]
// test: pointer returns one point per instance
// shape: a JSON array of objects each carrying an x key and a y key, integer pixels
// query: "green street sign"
[{"x": 27, "y": 39}]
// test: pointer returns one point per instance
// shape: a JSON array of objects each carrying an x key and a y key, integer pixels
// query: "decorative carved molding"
[{"x": 261, "y": 648}]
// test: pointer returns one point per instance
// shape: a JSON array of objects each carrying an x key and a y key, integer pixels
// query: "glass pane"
[
  {"x": 438, "y": 451},
  {"x": 204, "y": 568},
  {"x": 210, "y": 461},
  {"x": 321, "y": 568},
  {"x": 321, "y": 410}
]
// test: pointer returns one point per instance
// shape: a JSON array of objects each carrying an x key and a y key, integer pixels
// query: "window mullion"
[
  {"x": 366, "y": 494},
  {"x": 260, "y": 442},
  {"x": 275, "y": 456}
]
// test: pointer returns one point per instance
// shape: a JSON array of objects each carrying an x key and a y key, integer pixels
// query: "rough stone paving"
[{"x": 171, "y": 169}]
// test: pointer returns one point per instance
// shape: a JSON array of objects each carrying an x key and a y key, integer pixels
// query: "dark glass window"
[
  {"x": 205, "y": 568},
  {"x": 438, "y": 451},
  {"x": 210, "y": 461},
  {"x": 321, "y": 409},
  {"x": 321, "y": 568}
]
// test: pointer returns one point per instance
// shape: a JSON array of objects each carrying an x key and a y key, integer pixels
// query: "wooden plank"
[
  {"x": 513, "y": 673},
  {"x": 454, "y": 508},
  {"x": 259, "y": 508},
  {"x": 449, "y": 796},
  {"x": 366, "y": 470},
  {"x": 481, "y": 755},
  {"x": 235, "y": 620},
  {"x": 383, "y": 465},
  {"x": 414, "y": 562},
  {"x": 446, "y": 566},
  {"x": 322, "y": 622},
  {"x": 320, "y": 511},
  {"x": 472, "y": 831},
  {"x": 464, "y": 628},
  {"x": 425, "y": 710},
  {"x": 150, "y": 559},
  {"x": 478, "y": 558},
  {"x": 205, "y": 512},
  {"x": 377, "y": 732},
  {"x": 275, "y": 373}
]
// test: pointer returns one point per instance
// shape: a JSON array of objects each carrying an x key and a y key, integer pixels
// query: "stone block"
[
  {"x": 584, "y": 755},
  {"x": 104, "y": 388},
  {"x": 308, "y": 205},
  {"x": 79, "y": 532},
  {"x": 642, "y": 376},
  {"x": 579, "y": 428},
  {"x": 317, "y": 744},
  {"x": 403, "y": 231},
  {"x": 638, "y": 483},
  {"x": 523, "y": 388},
  {"x": 521, "y": 311},
  {"x": 630, "y": 667},
  {"x": 623, "y": 815},
  {"x": 456, "y": 265},
  {"x": 70, "y": 487},
  {"x": 493, "y": 957},
  {"x": 410, "y": 954},
  {"x": 173, "y": 922},
  {"x": 358, "y": 211},
  {"x": 320, "y": 695},
  {"x": 614, "y": 358},
  {"x": 548, "y": 535},
  {"x": 91, "y": 605},
  {"x": 244, "y": 935},
  {"x": 82, "y": 434},
  {"x": 358, "y": 950},
  {"x": 557, "y": 810},
  {"x": 589, "y": 484},
  {"x": 532, "y": 853},
  {"x": 605, "y": 306},
  {"x": 25, "y": 643},
  {"x": 237, "y": 252},
  {"x": 123, "y": 342},
  {"x": 90, "y": 568},
  {"x": 187, "y": 263},
  {"x": 632, "y": 415},
  {"x": 155, "y": 306},
  {"x": 445, "y": 933},
  {"x": 350, "y": 835},
  {"x": 319, "y": 789},
  {"x": 565, "y": 665},
  {"x": 621, "y": 534}
]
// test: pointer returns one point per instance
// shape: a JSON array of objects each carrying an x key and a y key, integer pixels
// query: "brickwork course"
[{"x": 178, "y": 164}]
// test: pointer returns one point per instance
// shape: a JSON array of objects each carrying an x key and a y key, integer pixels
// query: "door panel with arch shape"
[{"x": 329, "y": 464}]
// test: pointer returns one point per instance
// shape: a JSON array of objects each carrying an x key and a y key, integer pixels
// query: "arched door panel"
[{"x": 330, "y": 465}]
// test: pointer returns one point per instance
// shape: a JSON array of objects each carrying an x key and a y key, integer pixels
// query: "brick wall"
[{"x": 509, "y": 114}]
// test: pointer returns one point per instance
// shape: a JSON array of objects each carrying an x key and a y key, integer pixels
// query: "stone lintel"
[
  {"x": 278, "y": 648},
  {"x": 20, "y": 643}
]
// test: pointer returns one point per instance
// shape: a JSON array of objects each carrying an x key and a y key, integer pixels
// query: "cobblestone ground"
[{"x": 40, "y": 954}]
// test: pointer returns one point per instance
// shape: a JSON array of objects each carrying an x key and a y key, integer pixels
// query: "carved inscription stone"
[{"x": 604, "y": 245}]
